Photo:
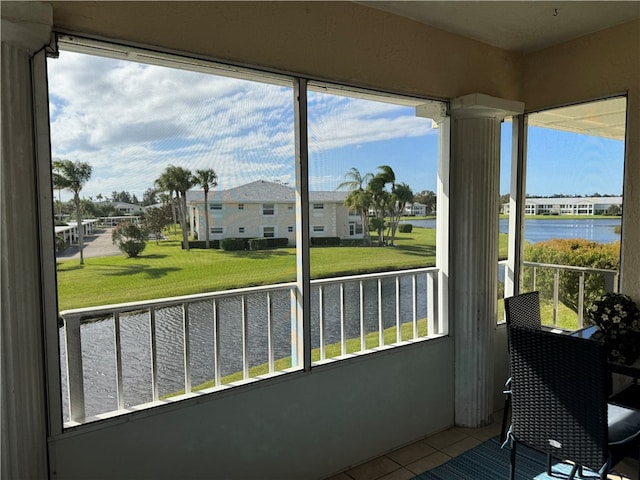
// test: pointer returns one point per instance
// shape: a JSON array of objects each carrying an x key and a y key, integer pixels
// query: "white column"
[
  {"x": 474, "y": 213},
  {"x": 26, "y": 28}
]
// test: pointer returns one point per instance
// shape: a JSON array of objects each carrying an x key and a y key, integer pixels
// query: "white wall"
[{"x": 300, "y": 426}]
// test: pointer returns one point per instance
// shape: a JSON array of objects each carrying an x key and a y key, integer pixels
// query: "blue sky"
[{"x": 131, "y": 120}]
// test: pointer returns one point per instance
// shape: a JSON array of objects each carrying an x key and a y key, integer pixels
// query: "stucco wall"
[{"x": 311, "y": 38}]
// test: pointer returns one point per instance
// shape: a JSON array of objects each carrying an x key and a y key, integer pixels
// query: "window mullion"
[{"x": 303, "y": 317}]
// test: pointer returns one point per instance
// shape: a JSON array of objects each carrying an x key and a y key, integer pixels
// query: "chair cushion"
[{"x": 624, "y": 424}]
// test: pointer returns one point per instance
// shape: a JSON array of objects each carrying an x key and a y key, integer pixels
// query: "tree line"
[{"x": 170, "y": 187}]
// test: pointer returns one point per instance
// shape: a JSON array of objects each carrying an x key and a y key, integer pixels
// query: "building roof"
[{"x": 262, "y": 191}]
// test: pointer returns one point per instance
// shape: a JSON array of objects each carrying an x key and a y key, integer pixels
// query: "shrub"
[
  {"x": 60, "y": 243},
  {"x": 203, "y": 244},
  {"x": 325, "y": 241},
  {"x": 405, "y": 228},
  {"x": 130, "y": 239},
  {"x": 267, "y": 243},
  {"x": 574, "y": 252},
  {"x": 234, "y": 244}
]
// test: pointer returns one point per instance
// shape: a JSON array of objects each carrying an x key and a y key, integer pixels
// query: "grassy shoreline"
[{"x": 165, "y": 270}]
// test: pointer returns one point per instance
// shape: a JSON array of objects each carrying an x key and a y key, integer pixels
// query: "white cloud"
[{"x": 130, "y": 121}]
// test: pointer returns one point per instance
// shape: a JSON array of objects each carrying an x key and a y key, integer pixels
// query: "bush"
[
  {"x": 60, "y": 243},
  {"x": 574, "y": 252},
  {"x": 234, "y": 244},
  {"x": 405, "y": 228},
  {"x": 267, "y": 243},
  {"x": 325, "y": 241},
  {"x": 203, "y": 244},
  {"x": 130, "y": 239}
]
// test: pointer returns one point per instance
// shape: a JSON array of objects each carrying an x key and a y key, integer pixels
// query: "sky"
[{"x": 129, "y": 121}]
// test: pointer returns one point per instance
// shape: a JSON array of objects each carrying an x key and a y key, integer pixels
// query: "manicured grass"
[{"x": 165, "y": 270}]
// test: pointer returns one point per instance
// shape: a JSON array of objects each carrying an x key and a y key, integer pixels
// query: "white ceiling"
[{"x": 521, "y": 26}]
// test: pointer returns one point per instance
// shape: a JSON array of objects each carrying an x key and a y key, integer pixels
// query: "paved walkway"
[{"x": 97, "y": 244}]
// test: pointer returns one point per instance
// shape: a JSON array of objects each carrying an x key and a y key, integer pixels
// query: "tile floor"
[{"x": 407, "y": 462}]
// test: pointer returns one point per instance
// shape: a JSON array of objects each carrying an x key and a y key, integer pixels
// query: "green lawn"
[{"x": 165, "y": 270}]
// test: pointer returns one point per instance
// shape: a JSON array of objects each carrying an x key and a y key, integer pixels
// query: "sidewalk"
[{"x": 97, "y": 244}]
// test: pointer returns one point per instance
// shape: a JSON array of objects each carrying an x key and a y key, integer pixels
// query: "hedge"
[
  {"x": 203, "y": 244},
  {"x": 405, "y": 228},
  {"x": 267, "y": 243},
  {"x": 325, "y": 241},
  {"x": 234, "y": 244}
]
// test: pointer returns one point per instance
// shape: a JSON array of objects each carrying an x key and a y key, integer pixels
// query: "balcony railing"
[
  {"x": 235, "y": 336},
  {"x": 548, "y": 279},
  {"x": 607, "y": 282}
]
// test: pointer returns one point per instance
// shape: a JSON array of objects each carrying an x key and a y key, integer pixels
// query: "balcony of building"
[{"x": 356, "y": 403}]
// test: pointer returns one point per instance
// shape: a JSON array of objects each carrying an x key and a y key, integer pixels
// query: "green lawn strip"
[
  {"x": 165, "y": 270},
  {"x": 331, "y": 351}
]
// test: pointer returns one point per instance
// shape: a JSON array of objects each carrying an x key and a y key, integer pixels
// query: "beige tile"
[
  {"x": 411, "y": 453},
  {"x": 446, "y": 438},
  {"x": 402, "y": 474},
  {"x": 428, "y": 462},
  {"x": 340, "y": 476},
  {"x": 462, "y": 446},
  {"x": 373, "y": 469}
]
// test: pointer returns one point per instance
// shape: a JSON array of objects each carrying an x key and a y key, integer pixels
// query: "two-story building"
[{"x": 267, "y": 209}]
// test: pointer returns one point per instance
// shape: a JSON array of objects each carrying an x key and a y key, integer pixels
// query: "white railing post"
[
  {"x": 154, "y": 354},
  {"x": 270, "y": 347},
  {"x": 118, "y": 354},
  {"x": 581, "y": 300},
  {"x": 380, "y": 322},
  {"x": 75, "y": 377},
  {"x": 434, "y": 325},
  {"x": 363, "y": 340},
  {"x": 216, "y": 343},
  {"x": 414, "y": 304},
  {"x": 186, "y": 347},
  {"x": 245, "y": 339},
  {"x": 556, "y": 288},
  {"x": 321, "y": 320},
  {"x": 343, "y": 330},
  {"x": 398, "y": 332}
]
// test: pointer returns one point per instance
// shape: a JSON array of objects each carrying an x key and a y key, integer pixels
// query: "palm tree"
[
  {"x": 178, "y": 180},
  {"x": 206, "y": 179},
  {"x": 401, "y": 195},
  {"x": 73, "y": 176},
  {"x": 381, "y": 197},
  {"x": 358, "y": 200},
  {"x": 165, "y": 183}
]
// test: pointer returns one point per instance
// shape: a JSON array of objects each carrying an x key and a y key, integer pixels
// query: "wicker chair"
[
  {"x": 523, "y": 311},
  {"x": 559, "y": 402}
]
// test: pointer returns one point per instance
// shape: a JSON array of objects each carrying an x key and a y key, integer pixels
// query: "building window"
[
  {"x": 215, "y": 206},
  {"x": 318, "y": 206},
  {"x": 289, "y": 207},
  {"x": 290, "y": 229},
  {"x": 216, "y": 230},
  {"x": 318, "y": 228},
  {"x": 241, "y": 206},
  {"x": 268, "y": 232},
  {"x": 240, "y": 229},
  {"x": 268, "y": 209}
]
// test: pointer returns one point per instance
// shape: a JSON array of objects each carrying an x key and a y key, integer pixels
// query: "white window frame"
[
  {"x": 265, "y": 208},
  {"x": 263, "y": 230}
]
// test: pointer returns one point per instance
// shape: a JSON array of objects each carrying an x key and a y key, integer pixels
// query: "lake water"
[
  {"x": 98, "y": 343},
  {"x": 600, "y": 230}
]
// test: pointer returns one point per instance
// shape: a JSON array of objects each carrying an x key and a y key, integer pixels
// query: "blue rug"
[{"x": 488, "y": 461}]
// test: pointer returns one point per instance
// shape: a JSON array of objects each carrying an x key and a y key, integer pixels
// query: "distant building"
[
  {"x": 416, "y": 209},
  {"x": 267, "y": 209},
  {"x": 567, "y": 205}
]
